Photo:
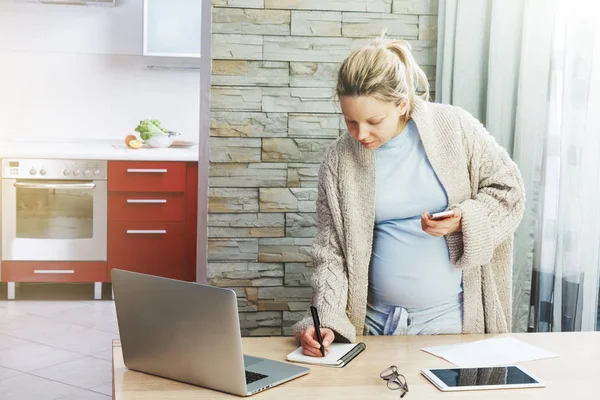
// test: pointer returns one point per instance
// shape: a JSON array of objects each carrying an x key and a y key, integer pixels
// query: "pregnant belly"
[{"x": 412, "y": 274}]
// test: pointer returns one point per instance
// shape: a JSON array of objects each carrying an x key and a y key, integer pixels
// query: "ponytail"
[{"x": 414, "y": 73}]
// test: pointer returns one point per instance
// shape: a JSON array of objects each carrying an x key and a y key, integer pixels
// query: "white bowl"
[{"x": 162, "y": 140}]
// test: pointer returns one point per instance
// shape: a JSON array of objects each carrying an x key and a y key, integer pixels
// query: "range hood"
[{"x": 110, "y": 3}]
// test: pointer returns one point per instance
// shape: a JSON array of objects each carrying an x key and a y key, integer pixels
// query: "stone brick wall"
[{"x": 273, "y": 116}]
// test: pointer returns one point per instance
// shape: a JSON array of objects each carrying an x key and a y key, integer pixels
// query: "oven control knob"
[
  {"x": 76, "y": 172},
  {"x": 32, "y": 171},
  {"x": 67, "y": 172},
  {"x": 87, "y": 172},
  {"x": 42, "y": 172},
  {"x": 97, "y": 172}
]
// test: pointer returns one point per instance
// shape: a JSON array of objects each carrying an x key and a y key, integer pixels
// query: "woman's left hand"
[{"x": 442, "y": 227}]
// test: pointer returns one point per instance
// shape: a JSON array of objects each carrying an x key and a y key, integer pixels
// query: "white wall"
[{"x": 77, "y": 72}]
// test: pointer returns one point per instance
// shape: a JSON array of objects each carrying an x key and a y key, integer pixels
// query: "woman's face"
[{"x": 371, "y": 121}]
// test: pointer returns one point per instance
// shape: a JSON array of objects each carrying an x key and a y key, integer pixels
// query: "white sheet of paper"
[
  {"x": 336, "y": 351},
  {"x": 489, "y": 352}
]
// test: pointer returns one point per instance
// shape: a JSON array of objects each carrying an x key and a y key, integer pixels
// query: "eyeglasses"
[{"x": 395, "y": 380}]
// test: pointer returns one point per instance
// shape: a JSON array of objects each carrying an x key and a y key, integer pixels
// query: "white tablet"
[{"x": 484, "y": 378}]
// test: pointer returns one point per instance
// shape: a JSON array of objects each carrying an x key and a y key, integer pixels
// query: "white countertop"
[{"x": 93, "y": 150}]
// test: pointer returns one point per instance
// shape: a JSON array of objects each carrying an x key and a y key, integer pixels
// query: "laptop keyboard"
[{"x": 253, "y": 377}]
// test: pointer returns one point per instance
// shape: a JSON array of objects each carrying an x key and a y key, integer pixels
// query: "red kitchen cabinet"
[
  {"x": 191, "y": 220},
  {"x": 54, "y": 271},
  {"x": 146, "y": 176},
  {"x": 139, "y": 206},
  {"x": 156, "y": 248},
  {"x": 152, "y": 218}
]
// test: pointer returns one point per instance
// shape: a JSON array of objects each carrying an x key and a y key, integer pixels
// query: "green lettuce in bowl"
[{"x": 150, "y": 127}]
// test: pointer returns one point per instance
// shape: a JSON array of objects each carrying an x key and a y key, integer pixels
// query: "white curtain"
[
  {"x": 570, "y": 229},
  {"x": 478, "y": 60},
  {"x": 530, "y": 71}
]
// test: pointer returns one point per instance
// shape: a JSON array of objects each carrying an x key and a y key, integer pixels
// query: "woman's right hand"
[{"x": 310, "y": 344}]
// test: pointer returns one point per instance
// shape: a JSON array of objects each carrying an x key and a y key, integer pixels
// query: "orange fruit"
[
  {"x": 135, "y": 144},
  {"x": 129, "y": 138}
]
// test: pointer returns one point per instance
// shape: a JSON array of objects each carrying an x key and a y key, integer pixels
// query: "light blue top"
[{"x": 409, "y": 268}]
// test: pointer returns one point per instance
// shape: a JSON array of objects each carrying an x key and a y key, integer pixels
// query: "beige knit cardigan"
[{"x": 479, "y": 178}]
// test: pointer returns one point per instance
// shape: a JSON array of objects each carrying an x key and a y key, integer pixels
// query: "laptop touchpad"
[{"x": 249, "y": 360}]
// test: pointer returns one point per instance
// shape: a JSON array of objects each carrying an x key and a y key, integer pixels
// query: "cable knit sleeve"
[
  {"x": 494, "y": 212},
  {"x": 330, "y": 279}
]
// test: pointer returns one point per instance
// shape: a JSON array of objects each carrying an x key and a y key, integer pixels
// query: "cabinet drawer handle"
[
  {"x": 53, "y": 271},
  {"x": 146, "y": 231},
  {"x": 147, "y": 170},
  {"x": 146, "y": 201}
]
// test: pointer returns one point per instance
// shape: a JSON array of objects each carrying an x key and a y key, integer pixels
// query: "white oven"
[{"x": 54, "y": 210}]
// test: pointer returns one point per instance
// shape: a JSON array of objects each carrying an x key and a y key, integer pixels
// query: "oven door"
[{"x": 54, "y": 220}]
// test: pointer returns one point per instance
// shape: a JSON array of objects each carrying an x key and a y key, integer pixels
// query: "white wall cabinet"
[
  {"x": 172, "y": 28},
  {"x": 69, "y": 29}
]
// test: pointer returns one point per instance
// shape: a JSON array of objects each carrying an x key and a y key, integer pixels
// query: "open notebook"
[{"x": 339, "y": 355}]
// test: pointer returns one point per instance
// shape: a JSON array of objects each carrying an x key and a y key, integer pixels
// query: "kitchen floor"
[{"x": 55, "y": 343}]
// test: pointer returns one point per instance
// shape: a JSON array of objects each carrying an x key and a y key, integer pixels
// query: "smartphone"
[{"x": 442, "y": 215}]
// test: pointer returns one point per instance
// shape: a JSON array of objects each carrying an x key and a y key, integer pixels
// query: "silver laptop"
[{"x": 190, "y": 333}]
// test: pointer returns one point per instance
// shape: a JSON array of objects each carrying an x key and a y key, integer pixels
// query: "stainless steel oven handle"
[
  {"x": 146, "y": 231},
  {"x": 147, "y": 170},
  {"x": 75, "y": 186}
]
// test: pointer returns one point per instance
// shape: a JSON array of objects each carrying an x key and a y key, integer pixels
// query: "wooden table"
[{"x": 573, "y": 375}]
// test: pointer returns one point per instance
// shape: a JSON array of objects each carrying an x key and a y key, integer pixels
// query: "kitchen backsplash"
[{"x": 77, "y": 72}]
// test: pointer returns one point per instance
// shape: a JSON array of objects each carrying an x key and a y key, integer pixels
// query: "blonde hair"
[{"x": 385, "y": 70}]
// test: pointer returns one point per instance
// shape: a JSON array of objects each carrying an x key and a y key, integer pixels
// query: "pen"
[{"x": 317, "y": 325}]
